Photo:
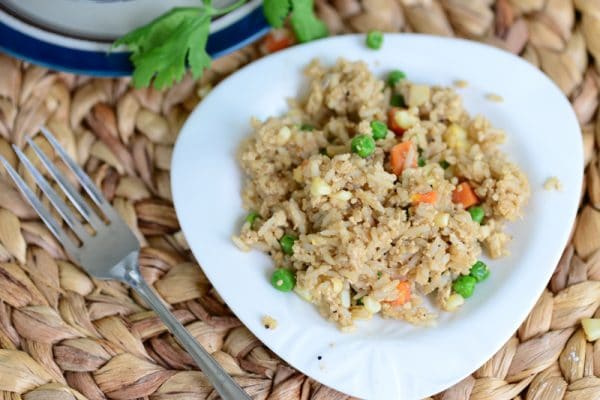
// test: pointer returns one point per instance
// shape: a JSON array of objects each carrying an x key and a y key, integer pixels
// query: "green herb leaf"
[
  {"x": 163, "y": 48},
  {"x": 276, "y": 11},
  {"x": 305, "y": 23},
  {"x": 198, "y": 58},
  {"x": 153, "y": 34}
]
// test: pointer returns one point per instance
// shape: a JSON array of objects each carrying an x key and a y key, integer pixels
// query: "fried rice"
[{"x": 362, "y": 233}]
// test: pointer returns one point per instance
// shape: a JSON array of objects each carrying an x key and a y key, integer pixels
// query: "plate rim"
[
  {"x": 89, "y": 61},
  {"x": 563, "y": 238}
]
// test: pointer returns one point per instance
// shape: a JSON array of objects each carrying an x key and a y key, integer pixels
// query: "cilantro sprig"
[{"x": 163, "y": 49}]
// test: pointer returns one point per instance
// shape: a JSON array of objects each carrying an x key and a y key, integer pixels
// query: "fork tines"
[{"x": 59, "y": 204}]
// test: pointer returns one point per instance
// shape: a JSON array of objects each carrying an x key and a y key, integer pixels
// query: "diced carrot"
[
  {"x": 429, "y": 197},
  {"x": 398, "y": 155},
  {"x": 276, "y": 40},
  {"x": 403, "y": 294},
  {"x": 393, "y": 122},
  {"x": 465, "y": 195}
]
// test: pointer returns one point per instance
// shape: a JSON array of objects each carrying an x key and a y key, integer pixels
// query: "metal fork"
[{"x": 112, "y": 252}]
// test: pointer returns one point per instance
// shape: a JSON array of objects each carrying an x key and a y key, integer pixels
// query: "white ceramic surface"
[
  {"x": 94, "y": 25},
  {"x": 76, "y": 35},
  {"x": 383, "y": 359}
]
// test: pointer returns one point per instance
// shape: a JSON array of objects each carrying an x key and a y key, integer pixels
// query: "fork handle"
[{"x": 223, "y": 383}]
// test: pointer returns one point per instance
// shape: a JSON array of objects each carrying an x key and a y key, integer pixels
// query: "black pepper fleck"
[{"x": 319, "y": 358}]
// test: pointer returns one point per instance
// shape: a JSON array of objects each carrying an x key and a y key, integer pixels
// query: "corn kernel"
[
  {"x": 405, "y": 120},
  {"x": 454, "y": 301},
  {"x": 591, "y": 328},
  {"x": 418, "y": 95},
  {"x": 319, "y": 187},
  {"x": 441, "y": 220},
  {"x": 456, "y": 137},
  {"x": 371, "y": 305}
]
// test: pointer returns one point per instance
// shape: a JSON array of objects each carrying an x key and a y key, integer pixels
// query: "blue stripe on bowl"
[{"x": 99, "y": 63}]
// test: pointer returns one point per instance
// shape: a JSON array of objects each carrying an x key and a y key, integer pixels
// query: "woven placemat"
[{"x": 66, "y": 336}]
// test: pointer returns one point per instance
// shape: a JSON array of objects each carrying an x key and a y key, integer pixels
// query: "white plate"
[
  {"x": 97, "y": 20},
  {"x": 77, "y": 35},
  {"x": 383, "y": 359}
]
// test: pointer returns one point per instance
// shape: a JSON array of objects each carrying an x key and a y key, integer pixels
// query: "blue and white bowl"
[{"x": 76, "y": 35}]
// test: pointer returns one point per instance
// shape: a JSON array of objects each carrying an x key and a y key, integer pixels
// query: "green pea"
[
  {"x": 464, "y": 285},
  {"x": 306, "y": 127},
  {"x": 283, "y": 279},
  {"x": 479, "y": 271},
  {"x": 363, "y": 145},
  {"x": 394, "y": 77},
  {"x": 444, "y": 164},
  {"x": 477, "y": 214},
  {"x": 374, "y": 40},
  {"x": 397, "y": 100},
  {"x": 378, "y": 129},
  {"x": 251, "y": 217},
  {"x": 287, "y": 244}
]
